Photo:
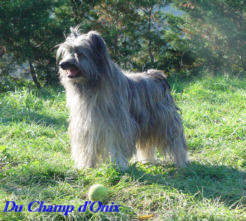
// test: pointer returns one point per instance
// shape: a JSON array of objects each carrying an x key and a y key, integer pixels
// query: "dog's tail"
[{"x": 160, "y": 76}]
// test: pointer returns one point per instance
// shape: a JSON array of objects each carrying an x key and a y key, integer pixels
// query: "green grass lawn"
[{"x": 35, "y": 162}]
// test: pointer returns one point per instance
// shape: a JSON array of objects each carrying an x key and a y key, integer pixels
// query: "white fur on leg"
[{"x": 146, "y": 154}]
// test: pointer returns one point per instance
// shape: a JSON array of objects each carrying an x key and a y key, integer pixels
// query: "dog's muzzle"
[{"x": 71, "y": 70}]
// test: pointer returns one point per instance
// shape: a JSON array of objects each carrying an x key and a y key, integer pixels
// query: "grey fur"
[{"x": 115, "y": 114}]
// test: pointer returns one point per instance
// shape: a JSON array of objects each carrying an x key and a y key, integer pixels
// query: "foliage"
[
  {"x": 35, "y": 162},
  {"x": 216, "y": 30},
  {"x": 140, "y": 34},
  {"x": 29, "y": 32}
]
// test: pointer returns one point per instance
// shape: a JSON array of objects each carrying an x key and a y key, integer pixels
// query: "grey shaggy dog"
[{"x": 114, "y": 114}]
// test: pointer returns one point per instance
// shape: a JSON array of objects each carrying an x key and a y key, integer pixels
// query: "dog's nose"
[{"x": 66, "y": 65}]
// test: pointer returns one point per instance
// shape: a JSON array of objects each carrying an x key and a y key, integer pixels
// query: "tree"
[
  {"x": 29, "y": 33},
  {"x": 217, "y": 30},
  {"x": 140, "y": 34}
]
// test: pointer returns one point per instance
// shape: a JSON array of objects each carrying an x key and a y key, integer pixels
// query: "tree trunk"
[
  {"x": 116, "y": 46},
  {"x": 33, "y": 74},
  {"x": 125, "y": 51},
  {"x": 149, "y": 37}
]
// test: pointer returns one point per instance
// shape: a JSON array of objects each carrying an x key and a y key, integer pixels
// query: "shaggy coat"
[{"x": 114, "y": 114}]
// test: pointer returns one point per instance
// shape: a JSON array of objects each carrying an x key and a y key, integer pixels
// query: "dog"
[{"x": 116, "y": 115}]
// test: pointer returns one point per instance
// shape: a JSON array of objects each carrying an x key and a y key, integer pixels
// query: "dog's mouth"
[{"x": 73, "y": 72}]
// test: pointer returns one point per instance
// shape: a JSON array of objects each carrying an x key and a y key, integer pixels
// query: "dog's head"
[{"x": 82, "y": 57}]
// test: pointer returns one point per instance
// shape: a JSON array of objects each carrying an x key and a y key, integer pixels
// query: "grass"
[{"x": 35, "y": 162}]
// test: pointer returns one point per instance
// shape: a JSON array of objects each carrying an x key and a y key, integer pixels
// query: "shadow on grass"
[
  {"x": 178, "y": 83},
  {"x": 16, "y": 115},
  {"x": 40, "y": 182},
  {"x": 31, "y": 111},
  {"x": 224, "y": 183}
]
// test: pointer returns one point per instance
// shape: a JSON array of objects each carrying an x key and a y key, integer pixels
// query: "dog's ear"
[
  {"x": 97, "y": 43},
  {"x": 100, "y": 52}
]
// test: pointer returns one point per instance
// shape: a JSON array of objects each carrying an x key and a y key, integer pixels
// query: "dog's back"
[{"x": 149, "y": 90}]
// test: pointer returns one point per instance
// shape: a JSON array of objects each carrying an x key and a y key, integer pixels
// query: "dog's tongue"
[{"x": 72, "y": 72}]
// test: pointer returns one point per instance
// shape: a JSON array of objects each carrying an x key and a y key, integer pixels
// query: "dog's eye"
[{"x": 79, "y": 53}]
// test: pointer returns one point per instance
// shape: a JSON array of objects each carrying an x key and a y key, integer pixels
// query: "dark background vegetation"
[{"x": 198, "y": 35}]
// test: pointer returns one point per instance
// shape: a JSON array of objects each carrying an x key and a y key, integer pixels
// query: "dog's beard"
[{"x": 73, "y": 75}]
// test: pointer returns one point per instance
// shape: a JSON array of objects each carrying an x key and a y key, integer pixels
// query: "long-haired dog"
[{"x": 115, "y": 114}]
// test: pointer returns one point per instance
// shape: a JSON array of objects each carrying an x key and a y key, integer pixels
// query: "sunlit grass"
[{"x": 35, "y": 162}]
